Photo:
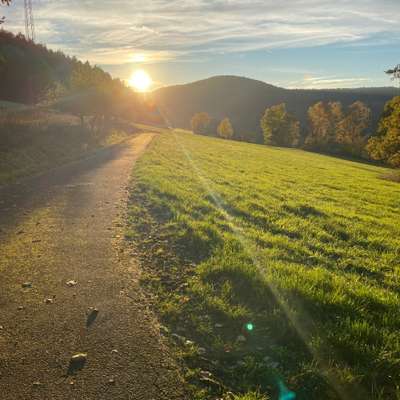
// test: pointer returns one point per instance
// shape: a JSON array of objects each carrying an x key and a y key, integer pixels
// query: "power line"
[{"x": 29, "y": 22}]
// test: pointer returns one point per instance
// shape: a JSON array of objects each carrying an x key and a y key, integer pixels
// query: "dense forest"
[{"x": 244, "y": 101}]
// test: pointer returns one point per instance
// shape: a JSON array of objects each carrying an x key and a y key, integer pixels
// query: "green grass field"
[{"x": 273, "y": 269}]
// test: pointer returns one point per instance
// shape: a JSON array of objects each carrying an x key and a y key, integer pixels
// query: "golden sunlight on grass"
[{"x": 140, "y": 81}]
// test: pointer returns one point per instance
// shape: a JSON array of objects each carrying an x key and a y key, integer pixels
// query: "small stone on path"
[{"x": 76, "y": 363}]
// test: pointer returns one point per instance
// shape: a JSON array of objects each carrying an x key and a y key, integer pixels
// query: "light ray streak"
[{"x": 250, "y": 247}]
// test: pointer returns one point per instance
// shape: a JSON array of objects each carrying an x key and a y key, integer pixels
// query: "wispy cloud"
[
  {"x": 103, "y": 31},
  {"x": 125, "y": 32},
  {"x": 332, "y": 82}
]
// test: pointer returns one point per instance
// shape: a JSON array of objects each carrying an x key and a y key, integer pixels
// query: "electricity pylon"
[{"x": 29, "y": 22}]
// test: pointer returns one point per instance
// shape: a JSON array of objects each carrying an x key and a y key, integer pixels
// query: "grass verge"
[
  {"x": 33, "y": 142},
  {"x": 274, "y": 271}
]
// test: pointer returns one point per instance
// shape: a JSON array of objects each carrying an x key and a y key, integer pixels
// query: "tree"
[
  {"x": 225, "y": 129},
  {"x": 394, "y": 72},
  {"x": 7, "y": 3},
  {"x": 351, "y": 129},
  {"x": 386, "y": 145},
  {"x": 201, "y": 123},
  {"x": 324, "y": 120},
  {"x": 279, "y": 127}
]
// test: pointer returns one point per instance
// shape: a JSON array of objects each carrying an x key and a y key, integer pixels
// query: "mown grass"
[{"x": 303, "y": 246}]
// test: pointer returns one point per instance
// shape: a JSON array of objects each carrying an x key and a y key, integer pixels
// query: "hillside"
[
  {"x": 28, "y": 69},
  {"x": 244, "y": 100},
  {"x": 271, "y": 267},
  {"x": 31, "y": 73}
]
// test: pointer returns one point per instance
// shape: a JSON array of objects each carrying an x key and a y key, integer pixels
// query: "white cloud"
[
  {"x": 112, "y": 32},
  {"x": 329, "y": 82}
]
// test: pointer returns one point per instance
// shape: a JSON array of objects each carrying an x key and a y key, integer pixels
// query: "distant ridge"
[{"x": 244, "y": 100}]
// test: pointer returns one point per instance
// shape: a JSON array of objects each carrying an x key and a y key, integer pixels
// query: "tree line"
[
  {"x": 34, "y": 75},
  {"x": 203, "y": 124},
  {"x": 332, "y": 128}
]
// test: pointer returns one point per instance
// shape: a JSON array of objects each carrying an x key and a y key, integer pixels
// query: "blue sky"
[{"x": 290, "y": 43}]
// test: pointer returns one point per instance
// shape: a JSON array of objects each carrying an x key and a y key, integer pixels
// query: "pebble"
[
  {"x": 71, "y": 283},
  {"x": 26, "y": 285},
  {"x": 37, "y": 384},
  {"x": 114, "y": 351},
  {"x": 111, "y": 381},
  {"x": 49, "y": 301},
  {"x": 20, "y": 308},
  {"x": 77, "y": 362}
]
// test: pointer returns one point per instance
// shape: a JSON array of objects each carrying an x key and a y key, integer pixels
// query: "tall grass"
[{"x": 303, "y": 247}]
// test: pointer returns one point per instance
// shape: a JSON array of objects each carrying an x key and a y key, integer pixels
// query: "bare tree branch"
[
  {"x": 395, "y": 72},
  {"x": 7, "y": 3}
]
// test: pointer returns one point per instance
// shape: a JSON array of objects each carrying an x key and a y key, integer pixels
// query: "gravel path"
[{"x": 67, "y": 226}]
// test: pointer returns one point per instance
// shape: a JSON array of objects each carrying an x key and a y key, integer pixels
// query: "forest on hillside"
[
  {"x": 244, "y": 101},
  {"x": 33, "y": 75},
  {"x": 357, "y": 123}
]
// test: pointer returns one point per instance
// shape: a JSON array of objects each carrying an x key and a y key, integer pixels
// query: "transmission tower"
[{"x": 29, "y": 22}]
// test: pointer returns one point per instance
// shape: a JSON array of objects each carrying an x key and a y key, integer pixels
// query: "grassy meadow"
[{"x": 275, "y": 271}]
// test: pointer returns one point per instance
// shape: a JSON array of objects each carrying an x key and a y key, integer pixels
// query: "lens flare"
[
  {"x": 285, "y": 393},
  {"x": 249, "y": 326}
]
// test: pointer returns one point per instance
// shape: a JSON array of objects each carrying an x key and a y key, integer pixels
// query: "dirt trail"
[{"x": 68, "y": 225}]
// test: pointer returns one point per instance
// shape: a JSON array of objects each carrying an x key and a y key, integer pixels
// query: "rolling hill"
[{"x": 244, "y": 100}]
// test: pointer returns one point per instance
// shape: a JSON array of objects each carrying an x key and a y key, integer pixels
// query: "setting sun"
[{"x": 141, "y": 81}]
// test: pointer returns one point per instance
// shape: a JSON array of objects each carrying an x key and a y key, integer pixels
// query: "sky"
[{"x": 288, "y": 43}]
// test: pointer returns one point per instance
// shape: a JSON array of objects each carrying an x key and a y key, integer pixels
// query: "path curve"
[{"x": 67, "y": 225}]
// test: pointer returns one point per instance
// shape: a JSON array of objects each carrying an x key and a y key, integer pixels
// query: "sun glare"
[{"x": 141, "y": 81}]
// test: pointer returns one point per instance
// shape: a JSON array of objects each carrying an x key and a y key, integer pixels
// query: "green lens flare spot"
[
  {"x": 288, "y": 396},
  {"x": 249, "y": 326}
]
